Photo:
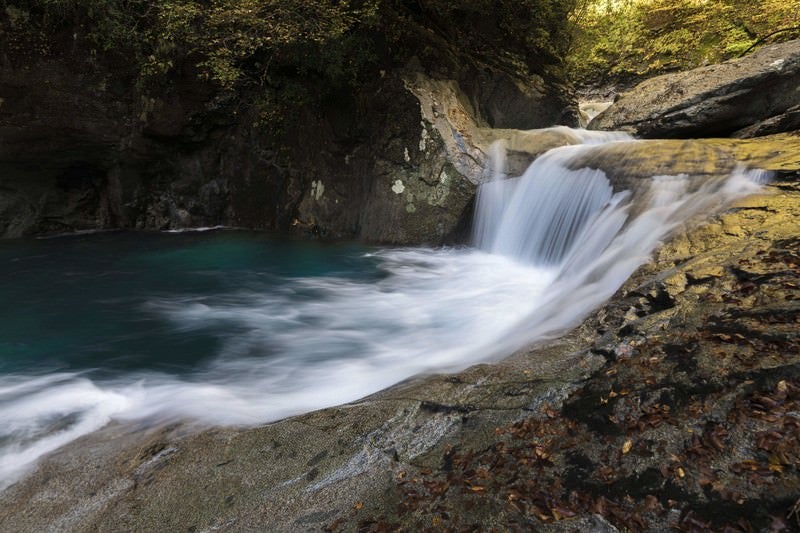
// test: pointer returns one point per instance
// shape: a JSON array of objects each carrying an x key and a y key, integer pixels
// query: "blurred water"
[{"x": 231, "y": 327}]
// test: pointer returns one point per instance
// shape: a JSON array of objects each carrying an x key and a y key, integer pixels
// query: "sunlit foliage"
[
  {"x": 245, "y": 42},
  {"x": 622, "y": 40}
]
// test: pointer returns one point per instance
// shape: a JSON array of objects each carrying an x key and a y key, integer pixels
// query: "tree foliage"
[
  {"x": 625, "y": 40},
  {"x": 282, "y": 55},
  {"x": 237, "y": 41},
  {"x": 31, "y": 26},
  {"x": 245, "y": 42}
]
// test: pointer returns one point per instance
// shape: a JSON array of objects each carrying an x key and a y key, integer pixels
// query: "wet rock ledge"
[
  {"x": 676, "y": 405},
  {"x": 691, "y": 422}
]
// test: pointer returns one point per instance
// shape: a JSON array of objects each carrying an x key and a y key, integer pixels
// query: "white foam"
[
  {"x": 199, "y": 229},
  {"x": 317, "y": 342}
]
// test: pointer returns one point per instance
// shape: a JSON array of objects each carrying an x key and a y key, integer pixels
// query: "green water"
[{"x": 81, "y": 302}]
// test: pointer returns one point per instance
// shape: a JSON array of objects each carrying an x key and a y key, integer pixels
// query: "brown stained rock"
[{"x": 626, "y": 163}]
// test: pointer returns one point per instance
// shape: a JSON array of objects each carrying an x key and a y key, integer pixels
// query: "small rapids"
[{"x": 550, "y": 246}]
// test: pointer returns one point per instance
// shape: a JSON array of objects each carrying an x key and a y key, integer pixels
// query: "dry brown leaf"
[{"x": 626, "y": 448}]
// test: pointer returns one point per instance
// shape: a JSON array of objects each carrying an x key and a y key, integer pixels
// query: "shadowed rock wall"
[{"x": 83, "y": 147}]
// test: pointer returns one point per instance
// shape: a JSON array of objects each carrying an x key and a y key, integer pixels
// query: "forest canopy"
[
  {"x": 626, "y": 40},
  {"x": 290, "y": 46},
  {"x": 236, "y": 42}
]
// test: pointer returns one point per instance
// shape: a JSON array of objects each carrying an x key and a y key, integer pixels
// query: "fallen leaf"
[{"x": 627, "y": 446}]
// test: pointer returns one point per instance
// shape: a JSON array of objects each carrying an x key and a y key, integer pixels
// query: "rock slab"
[{"x": 753, "y": 95}]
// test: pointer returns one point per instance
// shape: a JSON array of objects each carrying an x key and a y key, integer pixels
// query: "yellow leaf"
[{"x": 627, "y": 446}]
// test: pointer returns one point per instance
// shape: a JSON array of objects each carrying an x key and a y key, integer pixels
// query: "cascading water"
[
  {"x": 589, "y": 239},
  {"x": 551, "y": 245},
  {"x": 536, "y": 218}
]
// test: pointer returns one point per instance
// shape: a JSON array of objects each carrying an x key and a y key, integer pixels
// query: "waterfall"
[
  {"x": 537, "y": 217},
  {"x": 591, "y": 239},
  {"x": 551, "y": 246}
]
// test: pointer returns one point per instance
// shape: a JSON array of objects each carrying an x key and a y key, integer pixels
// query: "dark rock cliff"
[{"x": 82, "y": 147}]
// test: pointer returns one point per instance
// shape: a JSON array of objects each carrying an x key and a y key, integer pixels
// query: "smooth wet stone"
[{"x": 627, "y": 163}]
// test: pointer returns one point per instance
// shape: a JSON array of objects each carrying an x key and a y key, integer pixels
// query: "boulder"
[{"x": 749, "y": 96}]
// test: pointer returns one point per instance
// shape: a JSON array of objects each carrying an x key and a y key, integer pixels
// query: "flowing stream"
[{"x": 231, "y": 327}]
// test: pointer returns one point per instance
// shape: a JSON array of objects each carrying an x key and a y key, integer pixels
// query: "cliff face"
[
  {"x": 83, "y": 145},
  {"x": 80, "y": 152}
]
